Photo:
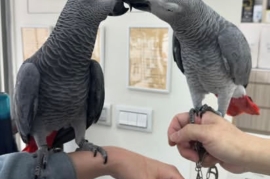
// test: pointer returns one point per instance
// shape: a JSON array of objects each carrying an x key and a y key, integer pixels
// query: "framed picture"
[
  {"x": 45, "y": 6},
  {"x": 149, "y": 58},
  {"x": 99, "y": 49},
  {"x": 33, "y": 38}
]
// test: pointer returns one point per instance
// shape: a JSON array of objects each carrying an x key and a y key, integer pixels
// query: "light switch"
[
  {"x": 142, "y": 120},
  {"x": 123, "y": 118},
  {"x": 132, "y": 119},
  {"x": 105, "y": 116}
]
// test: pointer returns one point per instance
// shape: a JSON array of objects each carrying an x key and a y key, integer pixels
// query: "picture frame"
[
  {"x": 98, "y": 53},
  {"x": 32, "y": 44},
  {"x": 45, "y": 6},
  {"x": 32, "y": 38},
  {"x": 146, "y": 72}
]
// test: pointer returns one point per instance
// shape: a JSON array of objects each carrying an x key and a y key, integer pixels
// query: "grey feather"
[
  {"x": 236, "y": 51},
  {"x": 96, "y": 95},
  {"x": 177, "y": 53},
  {"x": 211, "y": 52},
  {"x": 95, "y": 100},
  {"x": 26, "y": 99},
  {"x": 71, "y": 90}
]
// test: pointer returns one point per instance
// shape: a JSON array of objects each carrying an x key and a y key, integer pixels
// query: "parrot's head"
[
  {"x": 170, "y": 11},
  {"x": 100, "y": 9}
]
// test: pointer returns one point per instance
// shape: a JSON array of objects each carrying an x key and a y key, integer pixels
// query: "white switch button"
[
  {"x": 142, "y": 120},
  {"x": 123, "y": 118},
  {"x": 132, "y": 119},
  {"x": 103, "y": 115}
]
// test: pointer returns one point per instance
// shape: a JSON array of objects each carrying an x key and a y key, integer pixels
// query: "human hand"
[
  {"x": 223, "y": 141},
  {"x": 134, "y": 166}
]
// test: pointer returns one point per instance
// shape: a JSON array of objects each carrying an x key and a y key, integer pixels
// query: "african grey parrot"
[
  {"x": 211, "y": 51},
  {"x": 59, "y": 87}
]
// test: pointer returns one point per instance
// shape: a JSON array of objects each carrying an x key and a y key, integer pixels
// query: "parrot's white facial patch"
[
  {"x": 172, "y": 7},
  {"x": 162, "y": 7},
  {"x": 165, "y": 10}
]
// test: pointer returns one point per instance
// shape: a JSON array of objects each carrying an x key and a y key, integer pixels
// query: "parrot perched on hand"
[
  {"x": 212, "y": 53},
  {"x": 59, "y": 88}
]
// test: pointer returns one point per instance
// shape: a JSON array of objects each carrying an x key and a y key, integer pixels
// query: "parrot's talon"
[
  {"x": 95, "y": 153},
  {"x": 86, "y": 146},
  {"x": 192, "y": 113},
  {"x": 105, "y": 159},
  {"x": 42, "y": 157},
  {"x": 206, "y": 108},
  {"x": 191, "y": 116}
]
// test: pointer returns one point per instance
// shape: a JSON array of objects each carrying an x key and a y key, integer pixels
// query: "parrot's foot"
[
  {"x": 206, "y": 108},
  {"x": 200, "y": 111},
  {"x": 192, "y": 114},
  {"x": 42, "y": 155},
  {"x": 198, "y": 147},
  {"x": 86, "y": 146}
]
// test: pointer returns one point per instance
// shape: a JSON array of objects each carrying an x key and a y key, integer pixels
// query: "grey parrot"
[
  {"x": 211, "y": 52},
  {"x": 60, "y": 88}
]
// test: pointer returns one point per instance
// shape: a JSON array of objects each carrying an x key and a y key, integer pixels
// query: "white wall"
[{"x": 165, "y": 106}]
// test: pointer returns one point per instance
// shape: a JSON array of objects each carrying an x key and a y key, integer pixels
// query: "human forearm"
[
  {"x": 257, "y": 155},
  {"x": 88, "y": 166},
  {"x": 122, "y": 164}
]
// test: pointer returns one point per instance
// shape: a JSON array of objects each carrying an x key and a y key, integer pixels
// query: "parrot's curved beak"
[
  {"x": 143, "y": 5},
  {"x": 119, "y": 9}
]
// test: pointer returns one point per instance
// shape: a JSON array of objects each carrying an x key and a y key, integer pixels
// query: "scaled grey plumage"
[
  {"x": 59, "y": 86},
  {"x": 212, "y": 52}
]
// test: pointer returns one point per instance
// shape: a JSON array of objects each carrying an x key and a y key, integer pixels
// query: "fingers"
[
  {"x": 210, "y": 118},
  {"x": 209, "y": 161},
  {"x": 188, "y": 153},
  {"x": 178, "y": 122},
  {"x": 181, "y": 120},
  {"x": 191, "y": 132}
]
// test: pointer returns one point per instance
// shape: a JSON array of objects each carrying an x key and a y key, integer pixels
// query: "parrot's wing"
[
  {"x": 95, "y": 101},
  {"x": 236, "y": 52},
  {"x": 96, "y": 94},
  {"x": 26, "y": 99},
  {"x": 177, "y": 53}
]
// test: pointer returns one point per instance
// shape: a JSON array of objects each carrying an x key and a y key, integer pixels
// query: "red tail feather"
[
  {"x": 31, "y": 147},
  {"x": 242, "y": 105}
]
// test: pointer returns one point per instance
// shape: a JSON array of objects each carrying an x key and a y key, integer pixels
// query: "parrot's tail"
[
  {"x": 31, "y": 147},
  {"x": 243, "y": 104}
]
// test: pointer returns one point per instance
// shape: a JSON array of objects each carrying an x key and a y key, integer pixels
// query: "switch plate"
[
  {"x": 123, "y": 118},
  {"x": 142, "y": 120},
  {"x": 105, "y": 117},
  {"x": 134, "y": 118}
]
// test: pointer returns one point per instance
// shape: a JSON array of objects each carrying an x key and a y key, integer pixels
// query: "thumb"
[{"x": 191, "y": 132}]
